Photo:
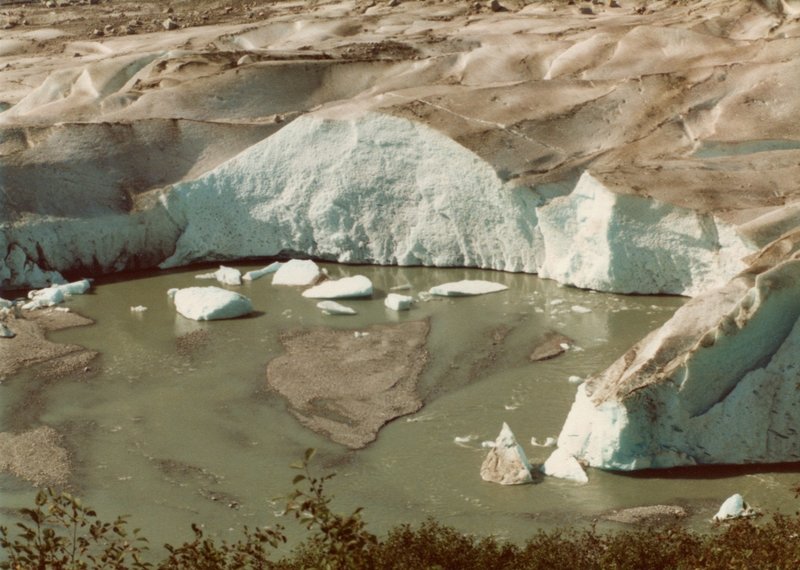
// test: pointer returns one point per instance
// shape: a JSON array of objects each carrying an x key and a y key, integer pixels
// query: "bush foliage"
[{"x": 59, "y": 533}]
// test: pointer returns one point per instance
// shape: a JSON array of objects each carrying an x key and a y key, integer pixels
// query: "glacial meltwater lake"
[{"x": 172, "y": 435}]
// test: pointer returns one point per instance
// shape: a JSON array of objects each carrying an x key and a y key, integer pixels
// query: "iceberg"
[
  {"x": 734, "y": 507},
  {"x": 334, "y": 308},
  {"x": 506, "y": 462},
  {"x": 225, "y": 275},
  {"x": 562, "y": 465},
  {"x": 345, "y": 288},
  {"x": 258, "y": 273},
  {"x": 55, "y": 294},
  {"x": 210, "y": 303},
  {"x": 466, "y": 288},
  {"x": 6, "y": 332},
  {"x": 397, "y": 302},
  {"x": 297, "y": 272}
]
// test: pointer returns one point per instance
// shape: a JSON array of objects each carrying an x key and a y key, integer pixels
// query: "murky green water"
[{"x": 172, "y": 437}]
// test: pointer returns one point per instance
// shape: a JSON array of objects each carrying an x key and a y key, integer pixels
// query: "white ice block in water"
[
  {"x": 56, "y": 294},
  {"x": 466, "y": 288},
  {"x": 297, "y": 272},
  {"x": 345, "y": 288},
  {"x": 259, "y": 273},
  {"x": 211, "y": 303},
  {"x": 334, "y": 308},
  {"x": 397, "y": 302}
]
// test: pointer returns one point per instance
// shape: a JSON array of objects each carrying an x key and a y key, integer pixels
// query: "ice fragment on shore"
[
  {"x": 397, "y": 302},
  {"x": 258, "y": 273},
  {"x": 466, "y": 287},
  {"x": 575, "y": 379},
  {"x": 734, "y": 507},
  {"x": 345, "y": 288},
  {"x": 506, "y": 462},
  {"x": 297, "y": 272},
  {"x": 334, "y": 308},
  {"x": 55, "y": 294},
  {"x": 210, "y": 303},
  {"x": 6, "y": 332}
]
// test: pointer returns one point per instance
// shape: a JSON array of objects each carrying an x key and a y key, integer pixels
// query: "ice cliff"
[{"x": 718, "y": 383}]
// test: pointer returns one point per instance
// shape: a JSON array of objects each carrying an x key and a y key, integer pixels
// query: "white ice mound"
[
  {"x": 734, "y": 507},
  {"x": 562, "y": 465},
  {"x": 297, "y": 272},
  {"x": 397, "y": 302},
  {"x": 466, "y": 288},
  {"x": 6, "y": 332},
  {"x": 345, "y": 288},
  {"x": 334, "y": 308},
  {"x": 506, "y": 462},
  {"x": 211, "y": 303},
  {"x": 717, "y": 383},
  {"x": 55, "y": 294},
  {"x": 374, "y": 189},
  {"x": 259, "y": 273},
  {"x": 225, "y": 275},
  {"x": 599, "y": 239}
]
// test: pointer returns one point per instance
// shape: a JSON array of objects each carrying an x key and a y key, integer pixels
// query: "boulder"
[
  {"x": 506, "y": 462},
  {"x": 210, "y": 303}
]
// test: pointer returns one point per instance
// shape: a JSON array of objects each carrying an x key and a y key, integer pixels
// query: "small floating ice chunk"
[
  {"x": 466, "y": 287},
  {"x": 258, "y": 273},
  {"x": 225, "y": 275},
  {"x": 297, "y": 272},
  {"x": 580, "y": 309},
  {"x": 359, "y": 334},
  {"x": 6, "y": 332},
  {"x": 562, "y": 465},
  {"x": 401, "y": 287},
  {"x": 734, "y": 507},
  {"x": 334, "y": 308},
  {"x": 556, "y": 301},
  {"x": 564, "y": 345},
  {"x": 138, "y": 309},
  {"x": 487, "y": 444},
  {"x": 171, "y": 293},
  {"x": 461, "y": 440},
  {"x": 548, "y": 442},
  {"x": 345, "y": 288},
  {"x": 211, "y": 303},
  {"x": 397, "y": 302},
  {"x": 506, "y": 462},
  {"x": 55, "y": 294},
  {"x": 575, "y": 380}
]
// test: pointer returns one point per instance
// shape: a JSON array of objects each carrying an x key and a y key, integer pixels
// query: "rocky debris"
[
  {"x": 37, "y": 456},
  {"x": 647, "y": 515},
  {"x": 345, "y": 384},
  {"x": 506, "y": 462},
  {"x": 170, "y": 24},
  {"x": 550, "y": 345}
]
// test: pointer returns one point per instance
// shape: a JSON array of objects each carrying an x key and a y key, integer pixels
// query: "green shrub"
[{"x": 60, "y": 533}]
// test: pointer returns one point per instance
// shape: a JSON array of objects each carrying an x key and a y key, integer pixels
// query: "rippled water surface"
[{"x": 173, "y": 435}]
